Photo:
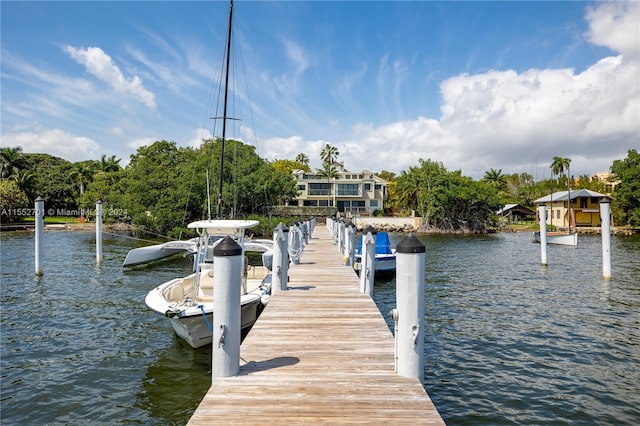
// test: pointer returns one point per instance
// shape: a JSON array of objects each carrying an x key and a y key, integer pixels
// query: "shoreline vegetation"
[{"x": 125, "y": 229}]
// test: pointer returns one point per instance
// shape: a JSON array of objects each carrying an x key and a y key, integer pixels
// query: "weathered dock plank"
[{"x": 320, "y": 353}]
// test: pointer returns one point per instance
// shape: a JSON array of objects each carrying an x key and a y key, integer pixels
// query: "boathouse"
[{"x": 585, "y": 206}]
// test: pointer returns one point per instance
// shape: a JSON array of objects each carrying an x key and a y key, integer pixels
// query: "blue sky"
[{"x": 475, "y": 85}]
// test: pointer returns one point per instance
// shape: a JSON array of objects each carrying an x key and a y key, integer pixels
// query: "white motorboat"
[
  {"x": 188, "y": 302},
  {"x": 558, "y": 238},
  {"x": 152, "y": 253},
  {"x": 385, "y": 255}
]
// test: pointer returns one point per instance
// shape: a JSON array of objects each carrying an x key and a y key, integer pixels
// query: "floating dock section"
[{"x": 321, "y": 352}]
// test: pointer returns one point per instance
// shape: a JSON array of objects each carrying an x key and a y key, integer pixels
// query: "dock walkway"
[{"x": 320, "y": 352}]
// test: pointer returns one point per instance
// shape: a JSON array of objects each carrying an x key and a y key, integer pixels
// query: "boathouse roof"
[{"x": 576, "y": 193}]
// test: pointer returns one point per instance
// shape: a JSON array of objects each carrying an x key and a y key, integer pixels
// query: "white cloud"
[
  {"x": 616, "y": 25},
  {"x": 55, "y": 142},
  {"x": 98, "y": 63},
  {"x": 197, "y": 135},
  {"x": 134, "y": 144}
]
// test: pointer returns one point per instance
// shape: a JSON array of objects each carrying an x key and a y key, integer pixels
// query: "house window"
[
  {"x": 367, "y": 187},
  {"x": 373, "y": 203},
  {"x": 558, "y": 214},
  {"x": 319, "y": 189},
  {"x": 583, "y": 203},
  {"x": 378, "y": 187},
  {"x": 348, "y": 189},
  {"x": 302, "y": 187}
]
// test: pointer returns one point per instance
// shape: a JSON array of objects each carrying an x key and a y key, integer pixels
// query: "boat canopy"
[
  {"x": 222, "y": 227},
  {"x": 383, "y": 244}
]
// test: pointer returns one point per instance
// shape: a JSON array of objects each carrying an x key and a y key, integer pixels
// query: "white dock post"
[
  {"x": 350, "y": 239},
  {"x": 605, "y": 230},
  {"x": 368, "y": 260},
  {"x": 99, "y": 231},
  {"x": 542, "y": 212},
  {"x": 409, "y": 314},
  {"x": 341, "y": 236},
  {"x": 227, "y": 274},
  {"x": 280, "y": 273},
  {"x": 39, "y": 213}
]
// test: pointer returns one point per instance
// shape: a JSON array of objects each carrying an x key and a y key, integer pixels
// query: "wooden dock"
[{"x": 320, "y": 352}]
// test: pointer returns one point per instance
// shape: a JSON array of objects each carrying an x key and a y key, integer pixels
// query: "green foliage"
[
  {"x": 11, "y": 160},
  {"x": 447, "y": 200},
  {"x": 12, "y": 198},
  {"x": 288, "y": 166},
  {"x": 627, "y": 193},
  {"x": 50, "y": 181}
]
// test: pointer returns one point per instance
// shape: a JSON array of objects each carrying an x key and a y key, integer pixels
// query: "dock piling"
[
  {"x": 542, "y": 212},
  {"x": 99, "y": 232},
  {"x": 280, "y": 258},
  {"x": 605, "y": 215},
  {"x": 227, "y": 268},
  {"x": 368, "y": 259},
  {"x": 409, "y": 314},
  {"x": 350, "y": 247},
  {"x": 39, "y": 213}
]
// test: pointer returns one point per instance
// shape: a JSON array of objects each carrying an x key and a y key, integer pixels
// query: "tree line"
[{"x": 165, "y": 186}]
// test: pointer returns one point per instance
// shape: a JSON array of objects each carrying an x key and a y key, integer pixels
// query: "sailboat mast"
[{"x": 224, "y": 113}]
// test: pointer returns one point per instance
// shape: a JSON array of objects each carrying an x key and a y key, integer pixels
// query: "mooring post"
[
  {"x": 227, "y": 277},
  {"x": 312, "y": 225},
  {"x": 280, "y": 273},
  {"x": 368, "y": 260},
  {"x": 605, "y": 230},
  {"x": 39, "y": 213},
  {"x": 350, "y": 240},
  {"x": 409, "y": 312},
  {"x": 99, "y": 231},
  {"x": 542, "y": 213},
  {"x": 306, "y": 230},
  {"x": 341, "y": 237},
  {"x": 295, "y": 245}
]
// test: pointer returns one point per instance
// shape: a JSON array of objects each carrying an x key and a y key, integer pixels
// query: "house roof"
[
  {"x": 515, "y": 207},
  {"x": 576, "y": 193}
]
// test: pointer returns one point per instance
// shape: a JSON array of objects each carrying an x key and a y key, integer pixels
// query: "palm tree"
[
  {"x": 558, "y": 166},
  {"x": 407, "y": 189},
  {"x": 110, "y": 164},
  {"x": 495, "y": 178},
  {"x": 329, "y": 154},
  {"x": 330, "y": 172},
  {"x": 82, "y": 174},
  {"x": 302, "y": 159},
  {"x": 12, "y": 160},
  {"x": 22, "y": 178}
]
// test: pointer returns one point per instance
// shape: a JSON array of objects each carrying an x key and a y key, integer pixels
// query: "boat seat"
[
  {"x": 256, "y": 272},
  {"x": 176, "y": 294},
  {"x": 205, "y": 290}
]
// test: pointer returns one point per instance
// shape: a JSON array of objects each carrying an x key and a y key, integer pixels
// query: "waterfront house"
[
  {"x": 584, "y": 203},
  {"x": 352, "y": 193}
]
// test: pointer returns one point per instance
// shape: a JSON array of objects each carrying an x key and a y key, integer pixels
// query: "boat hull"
[
  {"x": 384, "y": 264},
  {"x": 196, "y": 331},
  {"x": 558, "y": 238}
]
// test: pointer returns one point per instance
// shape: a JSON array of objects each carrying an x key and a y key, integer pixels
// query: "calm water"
[{"x": 507, "y": 340}]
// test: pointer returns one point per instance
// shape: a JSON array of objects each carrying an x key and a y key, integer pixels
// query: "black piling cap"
[
  {"x": 349, "y": 224},
  {"x": 605, "y": 200},
  {"x": 281, "y": 227},
  {"x": 227, "y": 247},
  {"x": 371, "y": 229},
  {"x": 410, "y": 245}
]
